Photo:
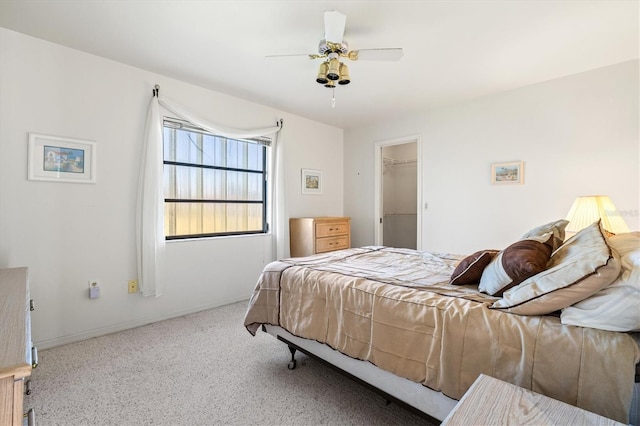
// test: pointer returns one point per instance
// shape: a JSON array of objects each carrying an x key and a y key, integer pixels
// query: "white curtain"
[
  {"x": 277, "y": 186},
  {"x": 150, "y": 205}
]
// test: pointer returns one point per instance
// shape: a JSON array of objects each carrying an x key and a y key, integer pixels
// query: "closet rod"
[{"x": 394, "y": 161}]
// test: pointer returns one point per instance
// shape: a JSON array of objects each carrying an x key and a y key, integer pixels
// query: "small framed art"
[
  {"x": 311, "y": 181},
  {"x": 507, "y": 173},
  {"x": 56, "y": 159}
]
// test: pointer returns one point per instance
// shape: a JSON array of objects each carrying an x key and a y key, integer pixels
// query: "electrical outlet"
[
  {"x": 133, "y": 286},
  {"x": 94, "y": 289}
]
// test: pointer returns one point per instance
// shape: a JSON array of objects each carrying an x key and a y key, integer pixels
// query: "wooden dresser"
[
  {"x": 17, "y": 355},
  {"x": 311, "y": 235}
]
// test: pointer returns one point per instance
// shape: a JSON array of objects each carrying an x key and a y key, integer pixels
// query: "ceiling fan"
[{"x": 332, "y": 48}]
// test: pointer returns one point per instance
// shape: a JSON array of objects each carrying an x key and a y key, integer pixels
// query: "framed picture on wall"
[
  {"x": 311, "y": 181},
  {"x": 507, "y": 173},
  {"x": 56, "y": 159}
]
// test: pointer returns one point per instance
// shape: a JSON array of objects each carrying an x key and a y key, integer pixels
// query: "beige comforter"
[{"x": 394, "y": 308}]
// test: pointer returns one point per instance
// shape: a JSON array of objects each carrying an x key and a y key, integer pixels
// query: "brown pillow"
[
  {"x": 470, "y": 269},
  {"x": 516, "y": 263}
]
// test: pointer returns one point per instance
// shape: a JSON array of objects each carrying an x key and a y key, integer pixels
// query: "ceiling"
[{"x": 453, "y": 50}]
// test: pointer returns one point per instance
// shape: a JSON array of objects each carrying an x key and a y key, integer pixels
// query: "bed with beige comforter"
[{"x": 396, "y": 309}]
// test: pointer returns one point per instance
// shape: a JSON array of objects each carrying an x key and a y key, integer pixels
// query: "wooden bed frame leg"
[{"x": 292, "y": 363}]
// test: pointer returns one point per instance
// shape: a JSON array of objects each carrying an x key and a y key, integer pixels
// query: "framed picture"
[
  {"x": 311, "y": 181},
  {"x": 507, "y": 173},
  {"x": 56, "y": 159}
]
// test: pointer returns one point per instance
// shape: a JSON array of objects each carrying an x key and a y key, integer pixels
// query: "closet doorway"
[{"x": 398, "y": 174}]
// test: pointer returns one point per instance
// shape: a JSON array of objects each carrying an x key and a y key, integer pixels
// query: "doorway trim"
[{"x": 377, "y": 202}]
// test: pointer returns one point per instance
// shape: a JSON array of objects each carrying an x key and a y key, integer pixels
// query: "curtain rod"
[{"x": 156, "y": 93}]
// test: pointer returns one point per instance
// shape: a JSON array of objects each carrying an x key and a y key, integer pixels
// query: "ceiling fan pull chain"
[{"x": 333, "y": 97}]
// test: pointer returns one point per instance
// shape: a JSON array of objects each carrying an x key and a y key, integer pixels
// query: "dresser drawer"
[
  {"x": 331, "y": 229},
  {"x": 332, "y": 243}
]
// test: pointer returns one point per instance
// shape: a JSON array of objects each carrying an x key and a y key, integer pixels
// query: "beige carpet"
[{"x": 200, "y": 369}]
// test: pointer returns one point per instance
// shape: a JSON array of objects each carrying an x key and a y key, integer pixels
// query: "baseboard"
[{"x": 114, "y": 328}]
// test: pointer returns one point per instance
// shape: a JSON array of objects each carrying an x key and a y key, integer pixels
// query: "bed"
[{"x": 422, "y": 326}]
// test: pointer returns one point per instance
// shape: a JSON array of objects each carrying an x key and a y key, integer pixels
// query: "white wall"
[
  {"x": 578, "y": 135},
  {"x": 68, "y": 234}
]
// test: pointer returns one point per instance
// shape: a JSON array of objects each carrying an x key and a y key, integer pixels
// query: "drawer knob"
[
  {"x": 30, "y": 416},
  {"x": 34, "y": 357}
]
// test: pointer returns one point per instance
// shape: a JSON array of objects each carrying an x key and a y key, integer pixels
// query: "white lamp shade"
[{"x": 588, "y": 209}]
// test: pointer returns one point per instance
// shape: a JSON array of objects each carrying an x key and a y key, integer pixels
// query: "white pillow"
[
  {"x": 617, "y": 307},
  {"x": 557, "y": 227}
]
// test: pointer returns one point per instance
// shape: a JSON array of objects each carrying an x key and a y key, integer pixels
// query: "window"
[{"x": 213, "y": 185}]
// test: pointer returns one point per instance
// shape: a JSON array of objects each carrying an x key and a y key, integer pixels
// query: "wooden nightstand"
[
  {"x": 311, "y": 235},
  {"x": 490, "y": 401}
]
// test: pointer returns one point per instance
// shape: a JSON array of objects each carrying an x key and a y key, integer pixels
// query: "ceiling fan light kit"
[{"x": 330, "y": 72}]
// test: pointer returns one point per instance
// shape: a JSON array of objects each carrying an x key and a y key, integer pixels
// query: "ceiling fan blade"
[
  {"x": 294, "y": 54},
  {"x": 334, "y": 23},
  {"x": 383, "y": 54}
]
